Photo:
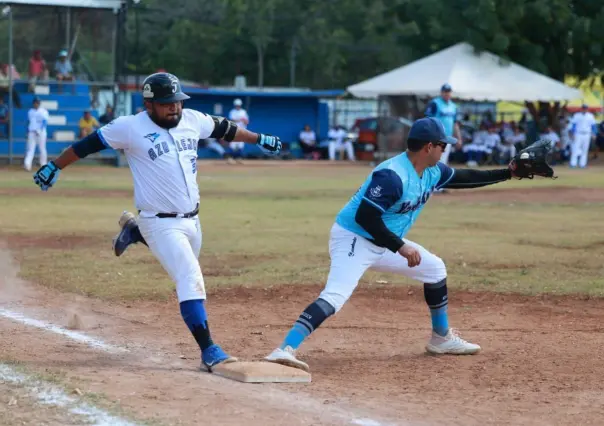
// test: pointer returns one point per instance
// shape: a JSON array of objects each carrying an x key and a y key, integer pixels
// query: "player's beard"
[{"x": 168, "y": 122}]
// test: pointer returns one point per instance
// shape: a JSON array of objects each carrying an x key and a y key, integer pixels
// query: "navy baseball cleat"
[
  {"x": 213, "y": 356},
  {"x": 129, "y": 234}
]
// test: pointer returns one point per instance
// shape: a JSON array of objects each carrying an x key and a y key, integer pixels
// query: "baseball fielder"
[
  {"x": 445, "y": 110},
  {"x": 239, "y": 116},
  {"x": 369, "y": 233},
  {"x": 160, "y": 145},
  {"x": 583, "y": 128},
  {"x": 37, "y": 117}
]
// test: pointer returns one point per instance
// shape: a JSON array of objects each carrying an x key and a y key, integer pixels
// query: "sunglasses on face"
[{"x": 440, "y": 144}]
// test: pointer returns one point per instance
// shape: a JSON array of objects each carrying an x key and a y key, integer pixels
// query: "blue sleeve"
[
  {"x": 385, "y": 189},
  {"x": 89, "y": 145},
  {"x": 432, "y": 109},
  {"x": 446, "y": 174}
]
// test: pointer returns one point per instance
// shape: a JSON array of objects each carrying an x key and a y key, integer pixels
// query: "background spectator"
[
  {"x": 338, "y": 142},
  {"x": 37, "y": 70},
  {"x": 108, "y": 116},
  {"x": 63, "y": 68},
  {"x": 4, "y": 86},
  {"x": 308, "y": 143},
  {"x": 88, "y": 124},
  {"x": 600, "y": 138},
  {"x": 4, "y": 118}
]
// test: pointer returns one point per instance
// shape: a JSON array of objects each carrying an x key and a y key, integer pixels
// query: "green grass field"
[{"x": 269, "y": 225}]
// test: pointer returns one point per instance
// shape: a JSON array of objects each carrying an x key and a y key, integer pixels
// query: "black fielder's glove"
[{"x": 532, "y": 161}]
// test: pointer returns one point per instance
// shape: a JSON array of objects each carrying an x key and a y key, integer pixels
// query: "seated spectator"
[
  {"x": 308, "y": 143},
  {"x": 63, "y": 69},
  {"x": 108, "y": 116},
  {"x": 506, "y": 147},
  {"x": 559, "y": 151},
  {"x": 338, "y": 142},
  {"x": 37, "y": 70},
  {"x": 4, "y": 84},
  {"x": 88, "y": 124},
  {"x": 4, "y": 117},
  {"x": 477, "y": 150}
]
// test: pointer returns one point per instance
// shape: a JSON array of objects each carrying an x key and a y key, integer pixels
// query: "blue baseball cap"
[
  {"x": 429, "y": 129},
  {"x": 446, "y": 88}
]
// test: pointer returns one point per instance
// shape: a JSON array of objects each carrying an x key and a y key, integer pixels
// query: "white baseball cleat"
[
  {"x": 452, "y": 343},
  {"x": 287, "y": 357}
]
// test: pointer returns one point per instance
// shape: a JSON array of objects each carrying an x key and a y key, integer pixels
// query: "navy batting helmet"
[{"x": 164, "y": 88}]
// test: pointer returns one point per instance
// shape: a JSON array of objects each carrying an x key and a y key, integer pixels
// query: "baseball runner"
[
  {"x": 160, "y": 145},
  {"x": 445, "y": 110},
  {"x": 37, "y": 117},
  {"x": 369, "y": 234},
  {"x": 583, "y": 129}
]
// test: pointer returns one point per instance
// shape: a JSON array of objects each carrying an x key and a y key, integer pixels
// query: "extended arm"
[
  {"x": 470, "y": 178},
  {"x": 229, "y": 131}
]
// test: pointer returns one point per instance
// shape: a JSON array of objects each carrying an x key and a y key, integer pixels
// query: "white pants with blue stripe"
[{"x": 352, "y": 255}]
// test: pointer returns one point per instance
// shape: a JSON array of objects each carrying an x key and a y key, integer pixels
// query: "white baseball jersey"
[
  {"x": 583, "y": 122},
  {"x": 38, "y": 119},
  {"x": 337, "y": 135},
  {"x": 237, "y": 116},
  {"x": 163, "y": 161}
]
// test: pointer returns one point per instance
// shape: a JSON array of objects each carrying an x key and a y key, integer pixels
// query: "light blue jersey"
[
  {"x": 395, "y": 189},
  {"x": 445, "y": 112}
]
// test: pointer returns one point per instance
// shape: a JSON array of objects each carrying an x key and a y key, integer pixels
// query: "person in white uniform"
[
  {"x": 583, "y": 129},
  {"x": 240, "y": 117},
  {"x": 160, "y": 145},
  {"x": 37, "y": 118},
  {"x": 339, "y": 142}
]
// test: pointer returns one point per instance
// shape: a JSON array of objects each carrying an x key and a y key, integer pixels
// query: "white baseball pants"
[
  {"x": 176, "y": 243},
  {"x": 35, "y": 139},
  {"x": 340, "y": 146},
  {"x": 352, "y": 255},
  {"x": 237, "y": 146},
  {"x": 215, "y": 146},
  {"x": 579, "y": 149}
]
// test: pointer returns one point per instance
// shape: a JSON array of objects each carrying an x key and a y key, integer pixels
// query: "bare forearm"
[
  {"x": 244, "y": 135},
  {"x": 66, "y": 158},
  {"x": 457, "y": 133}
]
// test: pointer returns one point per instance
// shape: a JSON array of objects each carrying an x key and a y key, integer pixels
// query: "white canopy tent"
[{"x": 478, "y": 77}]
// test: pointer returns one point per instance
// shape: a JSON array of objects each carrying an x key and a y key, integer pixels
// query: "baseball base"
[{"x": 261, "y": 372}]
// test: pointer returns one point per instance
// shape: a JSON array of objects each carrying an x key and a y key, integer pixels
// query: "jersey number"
[{"x": 194, "y": 165}]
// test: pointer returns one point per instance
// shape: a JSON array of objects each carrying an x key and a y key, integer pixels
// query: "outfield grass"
[{"x": 269, "y": 225}]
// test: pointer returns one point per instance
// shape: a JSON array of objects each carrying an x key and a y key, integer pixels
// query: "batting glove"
[
  {"x": 270, "y": 143},
  {"x": 46, "y": 176}
]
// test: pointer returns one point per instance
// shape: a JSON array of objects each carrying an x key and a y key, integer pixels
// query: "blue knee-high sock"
[
  {"x": 437, "y": 300},
  {"x": 312, "y": 317},
  {"x": 196, "y": 318}
]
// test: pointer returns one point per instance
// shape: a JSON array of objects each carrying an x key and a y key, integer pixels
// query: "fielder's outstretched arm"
[{"x": 470, "y": 178}]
